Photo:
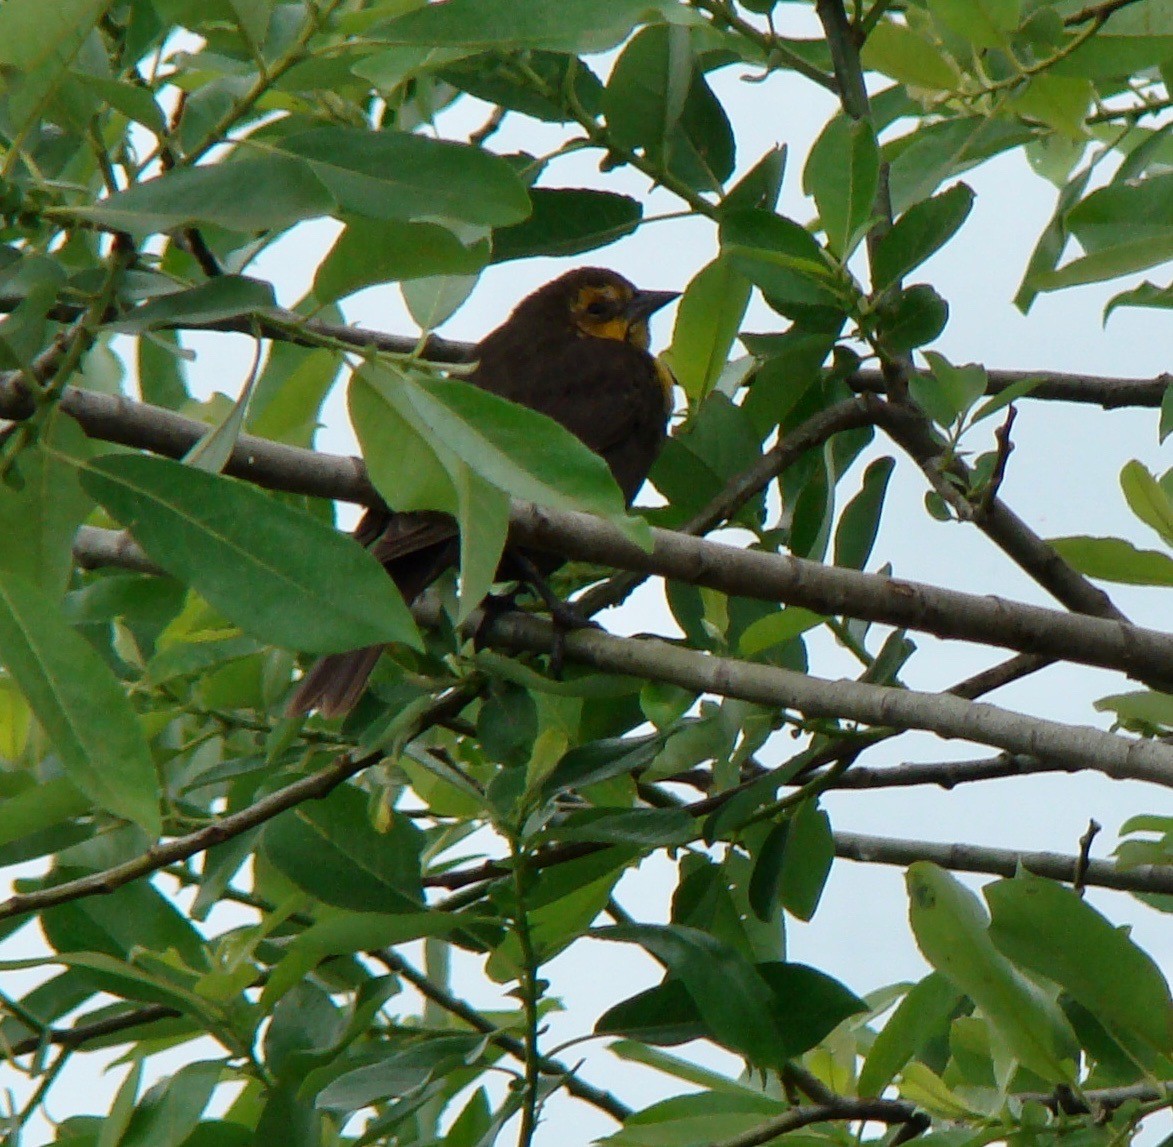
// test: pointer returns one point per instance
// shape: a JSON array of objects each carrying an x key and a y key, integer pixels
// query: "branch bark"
[{"x": 1001, "y": 862}]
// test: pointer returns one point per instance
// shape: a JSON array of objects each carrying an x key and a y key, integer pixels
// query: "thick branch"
[
  {"x": 1144, "y": 653},
  {"x": 835, "y": 591},
  {"x": 288, "y": 326},
  {"x": 1001, "y": 862},
  {"x": 946, "y": 715}
]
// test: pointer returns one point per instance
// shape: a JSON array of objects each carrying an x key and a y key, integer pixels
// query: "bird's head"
[{"x": 604, "y": 305}]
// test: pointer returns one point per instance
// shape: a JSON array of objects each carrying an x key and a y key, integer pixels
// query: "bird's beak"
[{"x": 646, "y": 303}]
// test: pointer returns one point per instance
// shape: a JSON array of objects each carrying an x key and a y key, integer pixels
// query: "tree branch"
[
  {"x": 225, "y": 828},
  {"x": 1109, "y": 393},
  {"x": 912, "y": 431},
  {"x": 1001, "y": 862},
  {"x": 75, "y": 1037},
  {"x": 891, "y": 1111}
]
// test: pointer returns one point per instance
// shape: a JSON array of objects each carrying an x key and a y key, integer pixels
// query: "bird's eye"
[{"x": 599, "y": 309}]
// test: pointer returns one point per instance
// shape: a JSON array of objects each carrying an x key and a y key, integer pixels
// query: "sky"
[{"x": 1062, "y": 478}]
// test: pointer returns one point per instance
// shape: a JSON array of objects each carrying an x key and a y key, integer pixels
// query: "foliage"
[{"x": 215, "y": 880}]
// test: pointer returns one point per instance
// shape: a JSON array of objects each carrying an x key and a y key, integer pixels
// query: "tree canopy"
[{"x": 259, "y": 915}]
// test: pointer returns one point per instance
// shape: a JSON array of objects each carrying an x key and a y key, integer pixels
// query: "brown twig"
[
  {"x": 1084, "y": 859},
  {"x": 1005, "y": 449}
]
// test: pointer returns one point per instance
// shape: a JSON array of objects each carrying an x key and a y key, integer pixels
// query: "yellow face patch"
[{"x": 601, "y": 312}]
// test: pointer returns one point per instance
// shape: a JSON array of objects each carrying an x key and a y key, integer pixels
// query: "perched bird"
[{"x": 575, "y": 350}]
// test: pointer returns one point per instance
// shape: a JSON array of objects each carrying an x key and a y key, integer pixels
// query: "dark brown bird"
[{"x": 575, "y": 350}]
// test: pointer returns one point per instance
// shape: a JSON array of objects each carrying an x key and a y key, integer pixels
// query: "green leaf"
[
  {"x": 578, "y": 26},
  {"x": 384, "y": 251},
  {"x": 1124, "y": 257},
  {"x": 134, "y": 102},
  {"x": 767, "y": 872},
  {"x": 78, "y": 702},
  {"x": 567, "y": 221},
  {"x": 1146, "y": 295},
  {"x": 922, "y": 1015},
  {"x": 1114, "y": 559},
  {"x": 951, "y": 931},
  {"x": 644, "y": 98},
  {"x": 1005, "y": 397},
  {"x": 778, "y": 628},
  {"x": 707, "y": 321},
  {"x": 805, "y": 1004},
  {"x": 841, "y": 175},
  {"x": 922, "y": 230},
  {"x": 1148, "y": 500},
  {"x": 1137, "y": 210},
  {"x": 1145, "y": 709},
  {"x": 518, "y": 450},
  {"x": 950, "y": 390},
  {"x": 860, "y": 521},
  {"x": 39, "y": 807},
  {"x": 398, "y": 175},
  {"x": 278, "y": 573},
  {"x": 31, "y": 32},
  {"x": 806, "y": 861},
  {"x": 779, "y": 256},
  {"x": 1051, "y": 242},
  {"x": 916, "y": 316},
  {"x": 170, "y": 1110},
  {"x": 922, "y": 160},
  {"x": 347, "y": 933},
  {"x": 731, "y": 997},
  {"x": 329, "y": 849},
  {"x": 415, "y": 471},
  {"x": 982, "y": 23},
  {"x": 256, "y": 193},
  {"x": 42, "y": 504},
  {"x": 645, "y": 828},
  {"x": 905, "y": 55},
  {"x": 598, "y": 761},
  {"x": 223, "y": 297},
  {"x": 134, "y": 918},
  {"x": 1050, "y": 929}
]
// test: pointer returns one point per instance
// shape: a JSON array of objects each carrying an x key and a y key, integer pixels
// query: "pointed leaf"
[
  {"x": 78, "y": 702},
  {"x": 1051, "y": 930},
  {"x": 732, "y": 998},
  {"x": 951, "y": 932},
  {"x": 707, "y": 321},
  {"x": 330, "y": 849},
  {"x": 841, "y": 175},
  {"x": 278, "y": 573},
  {"x": 400, "y": 175},
  {"x": 921, "y": 231},
  {"x": 1148, "y": 500}
]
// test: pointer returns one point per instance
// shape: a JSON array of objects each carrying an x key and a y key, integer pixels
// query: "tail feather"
[{"x": 335, "y": 683}]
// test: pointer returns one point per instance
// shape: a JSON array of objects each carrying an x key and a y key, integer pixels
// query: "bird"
[{"x": 575, "y": 350}]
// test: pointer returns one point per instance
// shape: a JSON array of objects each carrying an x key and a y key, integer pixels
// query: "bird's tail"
[{"x": 335, "y": 683}]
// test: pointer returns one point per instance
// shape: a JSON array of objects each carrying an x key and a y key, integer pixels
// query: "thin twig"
[{"x": 1084, "y": 858}]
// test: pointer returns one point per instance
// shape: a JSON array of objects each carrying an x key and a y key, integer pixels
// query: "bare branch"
[
  {"x": 83, "y": 1033},
  {"x": 891, "y": 1111},
  {"x": 944, "y": 714},
  {"x": 1109, "y": 393},
  {"x": 1001, "y": 862}
]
